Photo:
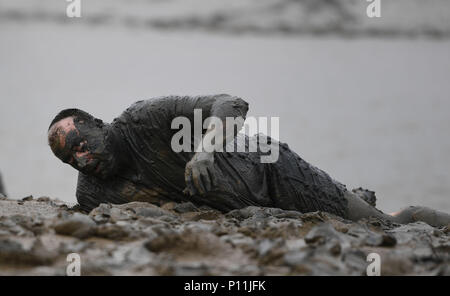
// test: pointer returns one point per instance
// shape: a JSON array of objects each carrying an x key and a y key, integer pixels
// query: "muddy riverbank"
[{"x": 36, "y": 235}]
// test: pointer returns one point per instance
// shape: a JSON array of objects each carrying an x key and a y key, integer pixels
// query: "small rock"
[
  {"x": 152, "y": 212},
  {"x": 145, "y": 209},
  {"x": 237, "y": 240},
  {"x": 396, "y": 265},
  {"x": 112, "y": 231},
  {"x": 290, "y": 214},
  {"x": 14, "y": 253},
  {"x": 193, "y": 269},
  {"x": 79, "y": 225},
  {"x": 169, "y": 206},
  {"x": 381, "y": 240},
  {"x": 204, "y": 215},
  {"x": 271, "y": 250},
  {"x": 446, "y": 229},
  {"x": 296, "y": 257},
  {"x": 28, "y": 198},
  {"x": 185, "y": 207},
  {"x": 43, "y": 199},
  {"x": 356, "y": 260},
  {"x": 162, "y": 241},
  {"x": 253, "y": 212},
  {"x": 319, "y": 235},
  {"x": 335, "y": 248},
  {"x": 438, "y": 233},
  {"x": 101, "y": 214},
  {"x": 117, "y": 215},
  {"x": 314, "y": 217}
]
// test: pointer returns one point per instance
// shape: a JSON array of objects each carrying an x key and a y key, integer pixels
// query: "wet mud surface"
[{"x": 167, "y": 238}]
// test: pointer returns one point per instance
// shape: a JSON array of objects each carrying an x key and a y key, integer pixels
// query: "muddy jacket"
[{"x": 154, "y": 170}]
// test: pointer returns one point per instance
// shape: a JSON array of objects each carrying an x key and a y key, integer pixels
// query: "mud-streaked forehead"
[{"x": 60, "y": 130}]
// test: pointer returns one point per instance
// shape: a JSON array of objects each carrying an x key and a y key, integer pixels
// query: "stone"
[
  {"x": 78, "y": 225},
  {"x": 27, "y": 198},
  {"x": 185, "y": 207}
]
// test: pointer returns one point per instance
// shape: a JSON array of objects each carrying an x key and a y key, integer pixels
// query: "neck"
[{"x": 117, "y": 146}]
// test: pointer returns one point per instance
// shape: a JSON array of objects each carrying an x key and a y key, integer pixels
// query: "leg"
[
  {"x": 427, "y": 215},
  {"x": 358, "y": 209}
]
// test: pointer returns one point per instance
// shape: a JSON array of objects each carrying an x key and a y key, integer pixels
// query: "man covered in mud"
[{"x": 132, "y": 159}]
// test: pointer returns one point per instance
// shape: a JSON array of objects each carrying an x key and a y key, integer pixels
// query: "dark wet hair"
[{"x": 80, "y": 114}]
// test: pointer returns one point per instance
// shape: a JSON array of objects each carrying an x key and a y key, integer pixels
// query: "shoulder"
[
  {"x": 143, "y": 106},
  {"x": 143, "y": 110},
  {"x": 89, "y": 192},
  {"x": 92, "y": 191}
]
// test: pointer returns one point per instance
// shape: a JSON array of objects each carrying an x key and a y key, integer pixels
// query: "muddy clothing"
[{"x": 154, "y": 170}]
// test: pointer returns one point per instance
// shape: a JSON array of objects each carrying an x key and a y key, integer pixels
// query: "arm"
[
  {"x": 160, "y": 113},
  {"x": 225, "y": 118},
  {"x": 199, "y": 173}
]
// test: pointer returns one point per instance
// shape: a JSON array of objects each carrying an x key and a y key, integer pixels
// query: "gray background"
[{"x": 366, "y": 100}]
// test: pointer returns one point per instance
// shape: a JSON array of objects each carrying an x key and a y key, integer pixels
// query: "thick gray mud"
[{"x": 167, "y": 238}]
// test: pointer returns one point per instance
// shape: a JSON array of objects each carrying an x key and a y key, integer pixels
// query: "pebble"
[{"x": 78, "y": 225}]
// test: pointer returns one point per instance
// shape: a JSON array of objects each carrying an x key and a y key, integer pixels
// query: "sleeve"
[
  {"x": 92, "y": 191},
  {"x": 221, "y": 106},
  {"x": 155, "y": 116}
]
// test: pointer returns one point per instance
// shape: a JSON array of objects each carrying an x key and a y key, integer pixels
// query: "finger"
[
  {"x": 189, "y": 184},
  {"x": 197, "y": 182},
  {"x": 205, "y": 179},
  {"x": 212, "y": 177},
  {"x": 187, "y": 174}
]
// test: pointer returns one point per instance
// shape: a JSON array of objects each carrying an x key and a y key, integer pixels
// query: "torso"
[{"x": 157, "y": 172}]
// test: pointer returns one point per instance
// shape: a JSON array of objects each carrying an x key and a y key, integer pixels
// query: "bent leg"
[
  {"x": 424, "y": 214},
  {"x": 358, "y": 209}
]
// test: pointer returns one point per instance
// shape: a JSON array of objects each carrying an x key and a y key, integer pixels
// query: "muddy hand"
[{"x": 199, "y": 174}]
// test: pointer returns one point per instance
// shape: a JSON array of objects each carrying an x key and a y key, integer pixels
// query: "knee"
[{"x": 406, "y": 215}]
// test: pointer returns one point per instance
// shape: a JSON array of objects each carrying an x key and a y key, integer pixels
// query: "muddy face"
[{"x": 84, "y": 145}]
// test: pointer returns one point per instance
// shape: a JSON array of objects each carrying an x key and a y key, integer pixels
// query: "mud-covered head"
[{"x": 83, "y": 141}]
